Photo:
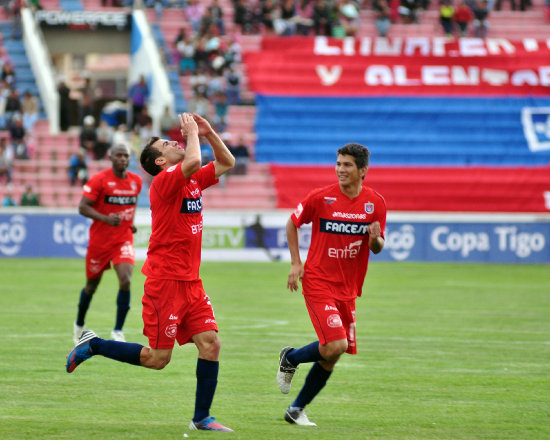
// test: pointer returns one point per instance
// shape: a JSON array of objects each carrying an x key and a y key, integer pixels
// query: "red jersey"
[
  {"x": 338, "y": 256},
  {"x": 176, "y": 232},
  {"x": 112, "y": 195}
]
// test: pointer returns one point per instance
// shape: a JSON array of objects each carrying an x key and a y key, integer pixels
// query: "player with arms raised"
[
  {"x": 348, "y": 220},
  {"x": 175, "y": 305}
]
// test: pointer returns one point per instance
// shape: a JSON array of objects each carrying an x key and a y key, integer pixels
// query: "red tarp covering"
[{"x": 472, "y": 189}]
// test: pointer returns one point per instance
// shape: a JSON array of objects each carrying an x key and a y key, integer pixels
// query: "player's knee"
[
  {"x": 333, "y": 350},
  {"x": 89, "y": 290},
  {"x": 124, "y": 282},
  {"x": 209, "y": 346},
  {"x": 158, "y": 362}
]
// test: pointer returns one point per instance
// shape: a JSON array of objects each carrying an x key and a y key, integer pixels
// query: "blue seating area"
[{"x": 398, "y": 130}]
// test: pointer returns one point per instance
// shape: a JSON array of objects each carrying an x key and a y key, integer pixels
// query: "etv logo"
[
  {"x": 12, "y": 234},
  {"x": 64, "y": 232}
]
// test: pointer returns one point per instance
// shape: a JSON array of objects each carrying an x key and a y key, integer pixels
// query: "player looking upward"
[
  {"x": 348, "y": 220},
  {"x": 175, "y": 305},
  {"x": 110, "y": 199}
]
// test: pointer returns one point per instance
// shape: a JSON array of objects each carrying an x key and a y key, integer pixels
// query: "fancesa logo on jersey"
[
  {"x": 12, "y": 234},
  {"x": 191, "y": 206},
  {"x": 400, "y": 242},
  {"x": 343, "y": 227},
  {"x": 75, "y": 234},
  {"x": 120, "y": 200}
]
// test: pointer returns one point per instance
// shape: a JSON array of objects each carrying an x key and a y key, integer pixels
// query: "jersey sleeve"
[
  {"x": 381, "y": 214},
  {"x": 303, "y": 214},
  {"x": 92, "y": 189},
  {"x": 206, "y": 176}
]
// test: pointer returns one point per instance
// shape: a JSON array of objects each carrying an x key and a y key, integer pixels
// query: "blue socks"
[
  {"x": 119, "y": 351},
  {"x": 83, "y": 305},
  {"x": 122, "y": 302},
  {"x": 308, "y": 353},
  {"x": 123, "y": 305},
  {"x": 207, "y": 379},
  {"x": 315, "y": 381}
]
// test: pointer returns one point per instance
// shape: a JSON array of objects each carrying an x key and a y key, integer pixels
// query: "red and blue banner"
[{"x": 453, "y": 124}]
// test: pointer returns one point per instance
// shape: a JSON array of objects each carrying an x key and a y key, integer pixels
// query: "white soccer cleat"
[
  {"x": 285, "y": 372},
  {"x": 117, "y": 335},
  {"x": 297, "y": 416},
  {"x": 77, "y": 331}
]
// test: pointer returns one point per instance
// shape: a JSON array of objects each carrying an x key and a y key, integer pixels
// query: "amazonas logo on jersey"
[
  {"x": 343, "y": 227},
  {"x": 191, "y": 206},
  {"x": 120, "y": 200}
]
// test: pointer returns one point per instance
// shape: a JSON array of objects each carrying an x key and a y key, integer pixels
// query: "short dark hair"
[
  {"x": 360, "y": 153},
  {"x": 149, "y": 155}
]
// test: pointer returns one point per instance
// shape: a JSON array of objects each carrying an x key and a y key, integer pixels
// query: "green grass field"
[{"x": 445, "y": 352}]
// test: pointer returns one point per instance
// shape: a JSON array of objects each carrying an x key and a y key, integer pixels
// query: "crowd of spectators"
[
  {"x": 208, "y": 51},
  {"x": 18, "y": 116}
]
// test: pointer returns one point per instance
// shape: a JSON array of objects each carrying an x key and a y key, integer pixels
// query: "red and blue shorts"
[
  {"x": 333, "y": 320},
  {"x": 98, "y": 259},
  {"x": 175, "y": 311}
]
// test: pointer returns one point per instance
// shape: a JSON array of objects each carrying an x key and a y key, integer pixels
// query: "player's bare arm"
[
  {"x": 190, "y": 130},
  {"x": 223, "y": 159},
  {"x": 376, "y": 242},
  {"x": 85, "y": 208},
  {"x": 296, "y": 266}
]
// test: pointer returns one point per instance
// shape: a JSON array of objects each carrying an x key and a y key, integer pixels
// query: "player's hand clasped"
[{"x": 188, "y": 124}]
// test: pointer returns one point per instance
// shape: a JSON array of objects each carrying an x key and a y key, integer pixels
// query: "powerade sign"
[{"x": 83, "y": 20}]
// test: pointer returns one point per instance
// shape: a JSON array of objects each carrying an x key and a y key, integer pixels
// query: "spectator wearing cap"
[
  {"x": 349, "y": 18},
  {"x": 88, "y": 135}
]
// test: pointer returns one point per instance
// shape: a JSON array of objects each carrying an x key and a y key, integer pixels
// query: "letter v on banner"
[{"x": 328, "y": 76}]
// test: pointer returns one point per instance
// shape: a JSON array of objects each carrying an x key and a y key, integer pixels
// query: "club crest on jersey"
[
  {"x": 111, "y": 184},
  {"x": 329, "y": 200},
  {"x": 133, "y": 185},
  {"x": 369, "y": 208}
]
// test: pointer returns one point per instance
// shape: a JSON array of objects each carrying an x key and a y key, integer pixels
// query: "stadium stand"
[
  {"x": 400, "y": 131},
  {"x": 455, "y": 143},
  {"x": 502, "y": 24}
]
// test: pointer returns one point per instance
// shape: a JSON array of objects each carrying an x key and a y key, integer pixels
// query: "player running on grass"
[
  {"x": 348, "y": 222},
  {"x": 175, "y": 306},
  {"x": 110, "y": 199}
]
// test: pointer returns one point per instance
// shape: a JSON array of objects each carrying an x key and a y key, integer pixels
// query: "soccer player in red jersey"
[
  {"x": 175, "y": 305},
  {"x": 110, "y": 199},
  {"x": 348, "y": 220}
]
